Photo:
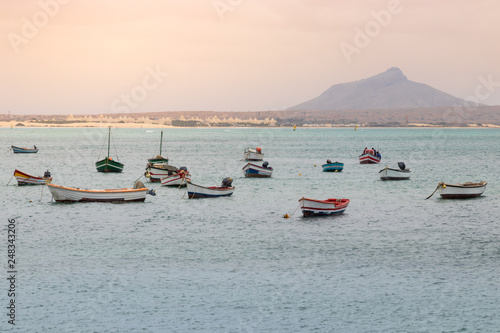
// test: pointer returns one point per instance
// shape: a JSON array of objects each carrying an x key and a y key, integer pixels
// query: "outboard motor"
[
  {"x": 328, "y": 162},
  {"x": 183, "y": 168},
  {"x": 46, "y": 174},
  {"x": 227, "y": 182},
  {"x": 265, "y": 164},
  {"x": 402, "y": 166}
]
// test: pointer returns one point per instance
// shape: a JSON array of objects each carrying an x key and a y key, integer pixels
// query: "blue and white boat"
[
  {"x": 20, "y": 150},
  {"x": 256, "y": 171},
  {"x": 333, "y": 167}
]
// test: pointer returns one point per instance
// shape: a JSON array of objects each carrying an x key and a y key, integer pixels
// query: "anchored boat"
[
  {"x": 395, "y": 174},
  {"x": 197, "y": 191},
  {"x": 21, "y": 150},
  {"x": 71, "y": 194},
  {"x": 370, "y": 156},
  {"x": 253, "y": 154},
  {"x": 25, "y": 179},
  {"x": 312, "y": 207},
  {"x": 108, "y": 164},
  {"x": 333, "y": 167},
  {"x": 255, "y": 171}
]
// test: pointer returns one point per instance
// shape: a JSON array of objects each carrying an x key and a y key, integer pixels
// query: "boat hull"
[
  {"x": 70, "y": 194},
  {"x": 333, "y": 167},
  {"x": 25, "y": 179},
  {"x": 311, "y": 207},
  {"x": 255, "y": 171},
  {"x": 20, "y": 150},
  {"x": 175, "y": 180},
  {"x": 394, "y": 174},
  {"x": 157, "y": 159},
  {"x": 108, "y": 165},
  {"x": 369, "y": 159},
  {"x": 197, "y": 191},
  {"x": 462, "y": 191}
]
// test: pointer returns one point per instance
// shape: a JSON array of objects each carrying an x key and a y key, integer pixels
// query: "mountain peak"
[{"x": 388, "y": 90}]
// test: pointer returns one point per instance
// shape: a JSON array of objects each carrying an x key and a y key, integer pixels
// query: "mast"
[
  {"x": 109, "y": 139},
  {"x": 161, "y": 141}
]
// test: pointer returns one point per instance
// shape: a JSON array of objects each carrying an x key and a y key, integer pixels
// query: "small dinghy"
[
  {"x": 255, "y": 171},
  {"x": 25, "y": 179},
  {"x": 196, "y": 191},
  {"x": 460, "y": 191},
  {"x": 21, "y": 150},
  {"x": 395, "y": 174},
  {"x": 71, "y": 194},
  {"x": 333, "y": 167},
  {"x": 180, "y": 178},
  {"x": 312, "y": 207}
]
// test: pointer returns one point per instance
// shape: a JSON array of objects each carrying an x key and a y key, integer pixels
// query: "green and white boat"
[
  {"x": 159, "y": 158},
  {"x": 108, "y": 164}
]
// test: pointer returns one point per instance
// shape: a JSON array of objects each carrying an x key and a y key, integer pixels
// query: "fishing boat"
[
  {"x": 253, "y": 154},
  {"x": 108, "y": 164},
  {"x": 181, "y": 178},
  {"x": 312, "y": 207},
  {"x": 333, "y": 167},
  {"x": 197, "y": 191},
  {"x": 395, "y": 174},
  {"x": 70, "y": 194},
  {"x": 256, "y": 171},
  {"x": 370, "y": 156},
  {"x": 461, "y": 191},
  {"x": 158, "y": 158},
  {"x": 155, "y": 172},
  {"x": 21, "y": 150},
  {"x": 25, "y": 179}
]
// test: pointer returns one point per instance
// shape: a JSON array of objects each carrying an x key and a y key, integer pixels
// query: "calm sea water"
[{"x": 393, "y": 262}]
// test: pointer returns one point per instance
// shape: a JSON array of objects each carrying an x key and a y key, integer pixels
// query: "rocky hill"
[{"x": 388, "y": 90}]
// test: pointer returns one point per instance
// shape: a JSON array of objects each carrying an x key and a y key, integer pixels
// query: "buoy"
[
  {"x": 444, "y": 185},
  {"x": 314, "y": 164},
  {"x": 286, "y": 216},
  {"x": 336, "y": 170},
  {"x": 300, "y": 174}
]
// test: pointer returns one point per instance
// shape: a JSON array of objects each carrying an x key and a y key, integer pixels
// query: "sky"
[{"x": 114, "y": 56}]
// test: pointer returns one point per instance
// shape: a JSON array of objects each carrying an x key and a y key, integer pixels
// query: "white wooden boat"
[
  {"x": 179, "y": 179},
  {"x": 312, "y": 207},
  {"x": 70, "y": 194},
  {"x": 197, "y": 191},
  {"x": 461, "y": 191},
  {"x": 253, "y": 170},
  {"x": 253, "y": 154},
  {"x": 25, "y": 179},
  {"x": 155, "y": 172},
  {"x": 395, "y": 174},
  {"x": 370, "y": 156}
]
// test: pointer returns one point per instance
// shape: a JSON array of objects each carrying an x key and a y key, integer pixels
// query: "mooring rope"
[{"x": 440, "y": 184}]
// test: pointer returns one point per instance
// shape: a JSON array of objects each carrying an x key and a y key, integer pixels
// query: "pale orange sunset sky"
[{"x": 90, "y": 56}]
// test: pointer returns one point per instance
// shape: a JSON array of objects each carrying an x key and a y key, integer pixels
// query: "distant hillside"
[{"x": 388, "y": 90}]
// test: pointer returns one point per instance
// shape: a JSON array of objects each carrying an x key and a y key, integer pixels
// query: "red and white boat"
[
  {"x": 179, "y": 179},
  {"x": 312, "y": 207},
  {"x": 461, "y": 191},
  {"x": 71, "y": 194},
  {"x": 197, "y": 191},
  {"x": 155, "y": 172},
  {"x": 25, "y": 179},
  {"x": 370, "y": 156}
]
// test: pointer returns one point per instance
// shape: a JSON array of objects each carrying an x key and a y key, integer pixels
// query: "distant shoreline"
[{"x": 14, "y": 124}]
